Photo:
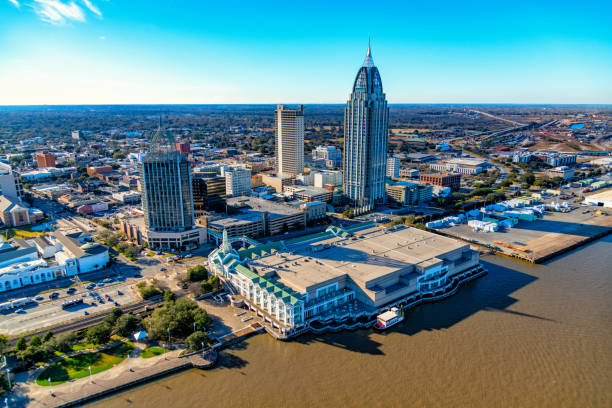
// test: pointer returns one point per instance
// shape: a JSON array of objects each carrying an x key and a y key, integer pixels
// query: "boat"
[{"x": 389, "y": 318}]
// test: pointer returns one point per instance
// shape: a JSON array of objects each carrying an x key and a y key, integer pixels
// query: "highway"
[{"x": 498, "y": 117}]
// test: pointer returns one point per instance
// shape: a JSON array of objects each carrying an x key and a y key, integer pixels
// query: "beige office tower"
[{"x": 289, "y": 132}]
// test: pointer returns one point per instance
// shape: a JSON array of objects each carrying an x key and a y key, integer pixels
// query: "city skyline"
[{"x": 94, "y": 52}]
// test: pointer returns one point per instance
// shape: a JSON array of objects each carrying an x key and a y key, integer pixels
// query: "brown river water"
[{"x": 522, "y": 336}]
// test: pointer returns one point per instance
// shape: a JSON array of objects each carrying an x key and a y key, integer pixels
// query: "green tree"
[
  {"x": 197, "y": 273},
  {"x": 35, "y": 341},
  {"x": 21, "y": 344},
  {"x": 528, "y": 178},
  {"x": 65, "y": 341},
  {"x": 126, "y": 325},
  {"x": 131, "y": 252},
  {"x": 196, "y": 339},
  {"x": 3, "y": 343},
  {"x": 99, "y": 334},
  {"x": 169, "y": 296},
  {"x": 348, "y": 213},
  {"x": 147, "y": 291},
  {"x": 112, "y": 317},
  {"x": 212, "y": 284},
  {"x": 179, "y": 317},
  {"x": 48, "y": 336}
]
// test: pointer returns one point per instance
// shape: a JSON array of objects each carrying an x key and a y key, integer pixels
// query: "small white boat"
[{"x": 388, "y": 319}]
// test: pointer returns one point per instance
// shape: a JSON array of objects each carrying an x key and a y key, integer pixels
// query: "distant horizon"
[{"x": 307, "y": 104}]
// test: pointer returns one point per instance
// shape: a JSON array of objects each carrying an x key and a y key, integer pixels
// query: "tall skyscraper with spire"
[{"x": 366, "y": 117}]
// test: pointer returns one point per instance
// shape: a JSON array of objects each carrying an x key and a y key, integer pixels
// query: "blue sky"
[{"x": 133, "y": 51}]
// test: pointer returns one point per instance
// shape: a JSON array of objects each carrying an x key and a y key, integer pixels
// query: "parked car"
[
  {"x": 39, "y": 298},
  {"x": 20, "y": 310},
  {"x": 71, "y": 290},
  {"x": 119, "y": 293},
  {"x": 86, "y": 313},
  {"x": 54, "y": 295}
]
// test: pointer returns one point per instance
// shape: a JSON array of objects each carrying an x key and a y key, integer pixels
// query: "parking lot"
[{"x": 46, "y": 309}]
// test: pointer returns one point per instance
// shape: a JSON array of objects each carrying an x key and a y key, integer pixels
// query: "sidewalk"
[{"x": 27, "y": 393}]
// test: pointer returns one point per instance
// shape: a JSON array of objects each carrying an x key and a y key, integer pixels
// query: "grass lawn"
[
  {"x": 83, "y": 346},
  {"x": 78, "y": 366},
  {"x": 24, "y": 233},
  {"x": 152, "y": 352}
]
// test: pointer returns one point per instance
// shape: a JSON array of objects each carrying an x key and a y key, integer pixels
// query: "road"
[
  {"x": 90, "y": 321},
  {"x": 513, "y": 122}
]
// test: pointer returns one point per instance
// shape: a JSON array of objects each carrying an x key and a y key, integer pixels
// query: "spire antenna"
[{"x": 368, "y": 62}]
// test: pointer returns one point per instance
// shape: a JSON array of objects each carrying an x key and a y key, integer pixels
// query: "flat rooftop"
[
  {"x": 251, "y": 207},
  {"x": 466, "y": 162},
  {"x": 367, "y": 255}
]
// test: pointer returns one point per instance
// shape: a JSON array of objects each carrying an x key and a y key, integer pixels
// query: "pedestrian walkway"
[{"x": 130, "y": 372}]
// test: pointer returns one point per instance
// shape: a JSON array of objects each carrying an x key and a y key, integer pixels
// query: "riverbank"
[
  {"x": 540, "y": 240},
  {"x": 137, "y": 371},
  {"x": 131, "y": 372},
  {"x": 123, "y": 376},
  {"x": 511, "y": 338}
]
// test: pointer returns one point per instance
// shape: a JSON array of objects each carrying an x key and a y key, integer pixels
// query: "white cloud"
[
  {"x": 92, "y": 8},
  {"x": 102, "y": 37},
  {"x": 61, "y": 11},
  {"x": 15, "y": 2},
  {"x": 58, "y": 12}
]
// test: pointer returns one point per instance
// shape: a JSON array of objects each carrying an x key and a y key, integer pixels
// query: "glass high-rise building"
[
  {"x": 166, "y": 183},
  {"x": 366, "y": 117}
]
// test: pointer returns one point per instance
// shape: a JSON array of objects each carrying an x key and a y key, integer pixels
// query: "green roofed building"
[{"x": 341, "y": 274}]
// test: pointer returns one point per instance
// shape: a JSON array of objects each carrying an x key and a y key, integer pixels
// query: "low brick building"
[{"x": 452, "y": 180}]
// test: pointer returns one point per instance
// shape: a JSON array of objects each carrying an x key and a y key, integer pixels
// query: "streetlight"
[
  {"x": 90, "y": 377},
  {"x": 8, "y": 377},
  {"x": 194, "y": 327},
  {"x": 6, "y": 402},
  {"x": 50, "y": 386}
]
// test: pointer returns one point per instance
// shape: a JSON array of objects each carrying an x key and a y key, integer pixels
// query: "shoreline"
[
  {"x": 167, "y": 367},
  {"x": 187, "y": 365},
  {"x": 536, "y": 258}
]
